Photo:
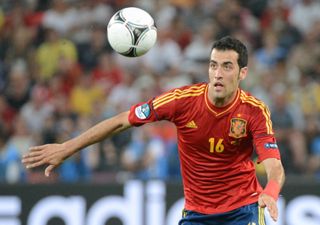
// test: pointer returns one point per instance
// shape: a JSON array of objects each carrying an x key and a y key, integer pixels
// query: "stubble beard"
[{"x": 220, "y": 100}]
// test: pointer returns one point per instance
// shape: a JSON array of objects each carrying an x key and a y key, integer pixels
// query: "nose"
[{"x": 217, "y": 73}]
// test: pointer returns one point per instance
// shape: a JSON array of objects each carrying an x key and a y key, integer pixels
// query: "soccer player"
[{"x": 218, "y": 126}]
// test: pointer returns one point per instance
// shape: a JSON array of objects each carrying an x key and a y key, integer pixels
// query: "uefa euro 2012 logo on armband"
[{"x": 142, "y": 111}]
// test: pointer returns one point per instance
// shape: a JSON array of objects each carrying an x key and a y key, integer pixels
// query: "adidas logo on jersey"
[{"x": 191, "y": 124}]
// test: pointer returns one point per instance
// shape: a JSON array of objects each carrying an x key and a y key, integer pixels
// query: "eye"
[
  {"x": 213, "y": 65},
  {"x": 228, "y": 66}
]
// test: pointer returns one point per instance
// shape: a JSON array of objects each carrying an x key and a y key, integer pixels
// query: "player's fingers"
[
  {"x": 273, "y": 216},
  {"x": 36, "y": 164},
  {"x": 36, "y": 148},
  {"x": 261, "y": 203},
  {"x": 32, "y": 159},
  {"x": 273, "y": 211},
  {"x": 49, "y": 169},
  {"x": 31, "y": 155}
]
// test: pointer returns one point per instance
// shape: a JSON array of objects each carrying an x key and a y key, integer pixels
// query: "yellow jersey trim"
[
  {"x": 220, "y": 113},
  {"x": 178, "y": 94},
  {"x": 265, "y": 111}
]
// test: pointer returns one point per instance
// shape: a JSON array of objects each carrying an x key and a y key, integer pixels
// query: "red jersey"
[{"x": 215, "y": 145}]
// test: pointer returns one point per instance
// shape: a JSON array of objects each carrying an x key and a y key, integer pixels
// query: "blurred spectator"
[
  {"x": 36, "y": 111},
  {"x": 17, "y": 90},
  {"x": 147, "y": 84},
  {"x": 262, "y": 91},
  {"x": 173, "y": 78},
  {"x": 51, "y": 51},
  {"x": 304, "y": 14},
  {"x": 84, "y": 95},
  {"x": 303, "y": 63},
  {"x": 90, "y": 51},
  {"x": 69, "y": 71},
  {"x": 90, "y": 14},
  {"x": 17, "y": 145},
  {"x": 231, "y": 16},
  {"x": 173, "y": 161},
  {"x": 184, "y": 3},
  {"x": 275, "y": 19},
  {"x": 308, "y": 101},
  {"x": 291, "y": 142},
  {"x": 21, "y": 47},
  {"x": 270, "y": 53},
  {"x": 22, "y": 138},
  {"x": 10, "y": 166},
  {"x": 109, "y": 160},
  {"x": 60, "y": 17},
  {"x": 305, "y": 55},
  {"x": 1, "y": 18},
  {"x": 76, "y": 168},
  {"x": 199, "y": 48},
  {"x": 165, "y": 54},
  {"x": 183, "y": 33},
  {"x": 108, "y": 164},
  {"x": 49, "y": 131},
  {"x": 144, "y": 158},
  {"x": 256, "y": 7},
  {"x": 167, "y": 132},
  {"x": 107, "y": 73},
  {"x": 3, "y": 75},
  {"x": 7, "y": 115},
  {"x": 275, "y": 15},
  {"x": 122, "y": 95},
  {"x": 245, "y": 18},
  {"x": 164, "y": 13},
  {"x": 313, "y": 140}
]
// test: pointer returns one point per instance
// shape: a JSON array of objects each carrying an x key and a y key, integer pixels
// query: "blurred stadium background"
[{"x": 59, "y": 76}]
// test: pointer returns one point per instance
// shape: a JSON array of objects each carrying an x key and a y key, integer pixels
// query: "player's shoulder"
[
  {"x": 190, "y": 87},
  {"x": 181, "y": 94},
  {"x": 251, "y": 101},
  {"x": 185, "y": 91}
]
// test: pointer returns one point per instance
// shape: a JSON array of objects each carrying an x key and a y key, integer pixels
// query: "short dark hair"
[{"x": 230, "y": 43}]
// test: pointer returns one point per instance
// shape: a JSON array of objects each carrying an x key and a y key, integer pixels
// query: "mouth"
[{"x": 218, "y": 84}]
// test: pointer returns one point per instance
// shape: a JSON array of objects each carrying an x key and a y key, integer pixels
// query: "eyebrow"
[{"x": 224, "y": 63}]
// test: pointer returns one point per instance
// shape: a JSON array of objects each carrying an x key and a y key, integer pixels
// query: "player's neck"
[{"x": 223, "y": 101}]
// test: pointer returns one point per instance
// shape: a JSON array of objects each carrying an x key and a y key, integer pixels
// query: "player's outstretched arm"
[
  {"x": 54, "y": 154},
  {"x": 269, "y": 195}
]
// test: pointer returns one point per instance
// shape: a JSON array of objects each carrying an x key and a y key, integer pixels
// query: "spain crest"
[{"x": 238, "y": 128}]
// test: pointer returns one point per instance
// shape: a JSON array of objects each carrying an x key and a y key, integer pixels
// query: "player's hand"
[
  {"x": 271, "y": 204},
  {"x": 51, "y": 154}
]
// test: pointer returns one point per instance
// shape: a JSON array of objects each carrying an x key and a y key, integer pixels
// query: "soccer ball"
[{"x": 131, "y": 32}]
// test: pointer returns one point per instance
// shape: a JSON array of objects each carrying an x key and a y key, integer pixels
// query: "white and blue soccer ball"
[{"x": 132, "y": 32}]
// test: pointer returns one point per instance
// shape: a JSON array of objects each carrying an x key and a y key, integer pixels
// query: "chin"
[
  {"x": 219, "y": 98},
  {"x": 219, "y": 95}
]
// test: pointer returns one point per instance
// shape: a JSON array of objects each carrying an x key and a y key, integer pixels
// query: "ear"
[{"x": 243, "y": 73}]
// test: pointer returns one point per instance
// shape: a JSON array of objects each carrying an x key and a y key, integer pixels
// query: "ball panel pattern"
[{"x": 131, "y": 32}]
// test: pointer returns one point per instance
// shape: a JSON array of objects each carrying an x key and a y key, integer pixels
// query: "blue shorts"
[{"x": 246, "y": 215}]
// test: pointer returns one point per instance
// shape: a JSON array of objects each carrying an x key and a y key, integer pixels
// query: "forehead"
[{"x": 222, "y": 56}]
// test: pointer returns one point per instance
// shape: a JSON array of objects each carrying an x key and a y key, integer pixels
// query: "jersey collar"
[{"x": 218, "y": 111}]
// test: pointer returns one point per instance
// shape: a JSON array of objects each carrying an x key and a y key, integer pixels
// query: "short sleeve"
[
  {"x": 263, "y": 136},
  {"x": 170, "y": 105},
  {"x": 266, "y": 147},
  {"x": 142, "y": 113},
  {"x": 155, "y": 109}
]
